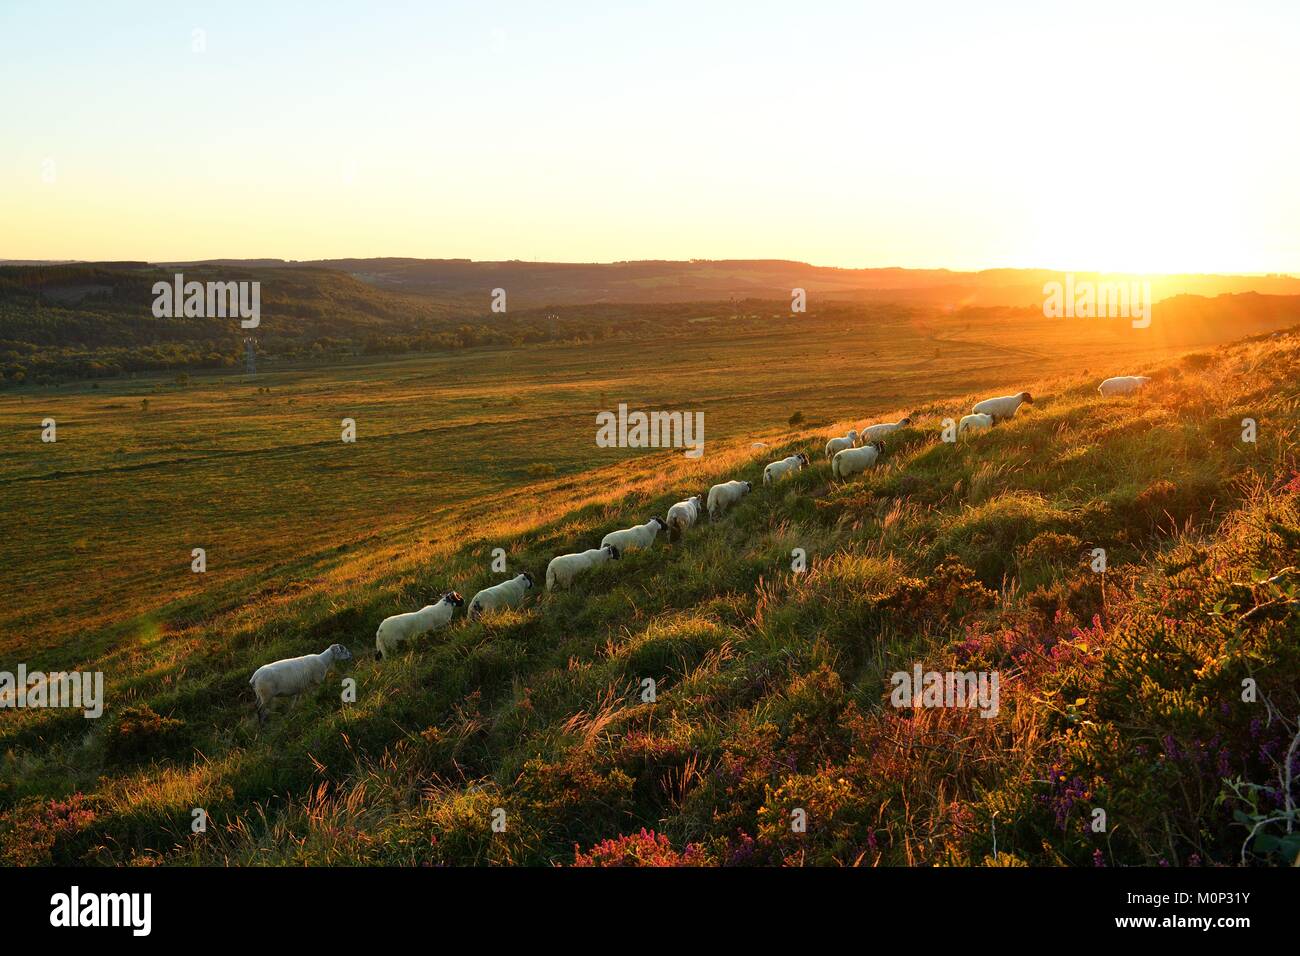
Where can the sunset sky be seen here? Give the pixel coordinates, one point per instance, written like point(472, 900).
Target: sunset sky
point(1120, 136)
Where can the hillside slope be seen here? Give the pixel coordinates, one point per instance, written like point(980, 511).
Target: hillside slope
point(1120, 691)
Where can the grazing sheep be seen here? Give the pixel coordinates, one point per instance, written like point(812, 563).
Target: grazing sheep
point(779, 469)
point(1002, 407)
point(400, 628)
point(723, 496)
point(1123, 384)
point(684, 514)
point(638, 536)
point(562, 570)
point(839, 444)
point(293, 676)
point(872, 432)
point(852, 460)
point(974, 423)
point(506, 594)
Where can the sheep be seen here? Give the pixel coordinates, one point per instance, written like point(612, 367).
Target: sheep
point(562, 570)
point(975, 423)
point(638, 536)
point(400, 628)
point(1002, 407)
point(684, 514)
point(293, 675)
point(779, 469)
point(852, 460)
point(872, 432)
point(506, 594)
point(837, 444)
point(1123, 384)
point(723, 496)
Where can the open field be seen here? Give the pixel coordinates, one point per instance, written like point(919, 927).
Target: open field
point(771, 684)
point(254, 470)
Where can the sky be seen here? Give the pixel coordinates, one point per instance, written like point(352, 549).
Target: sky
point(1121, 136)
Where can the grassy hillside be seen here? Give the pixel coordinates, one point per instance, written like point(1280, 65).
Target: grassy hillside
point(253, 469)
point(1120, 691)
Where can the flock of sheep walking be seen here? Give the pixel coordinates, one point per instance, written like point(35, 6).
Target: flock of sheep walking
point(848, 455)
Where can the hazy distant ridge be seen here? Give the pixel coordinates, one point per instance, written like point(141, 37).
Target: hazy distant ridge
point(571, 283)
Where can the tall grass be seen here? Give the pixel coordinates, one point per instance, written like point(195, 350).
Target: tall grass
point(528, 738)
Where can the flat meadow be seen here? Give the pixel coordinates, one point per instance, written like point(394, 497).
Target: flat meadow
point(770, 682)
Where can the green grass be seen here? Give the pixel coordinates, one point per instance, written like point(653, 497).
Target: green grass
point(772, 687)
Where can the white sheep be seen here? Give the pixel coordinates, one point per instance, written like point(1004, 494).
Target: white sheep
point(852, 460)
point(974, 423)
point(838, 444)
point(779, 469)
point(638, 536)
point(723, 496)
point(506, 594)
point(1003, 406)
point(1123, 384)
point(400, 628)
point(562, 570)
point(872, 432)
point(684, 514)
point(293, 676)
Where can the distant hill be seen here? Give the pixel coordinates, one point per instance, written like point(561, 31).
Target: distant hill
point(93, 320)
point(96, 320)
point(563, 283)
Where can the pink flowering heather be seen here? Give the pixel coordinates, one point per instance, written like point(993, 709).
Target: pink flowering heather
point(638, 849)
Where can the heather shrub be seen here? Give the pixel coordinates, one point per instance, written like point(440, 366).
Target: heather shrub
point(138, 733)
point(985, 537)
point(946, 597)
point(1050, 548)
point(645, 848)
point(40, 832)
